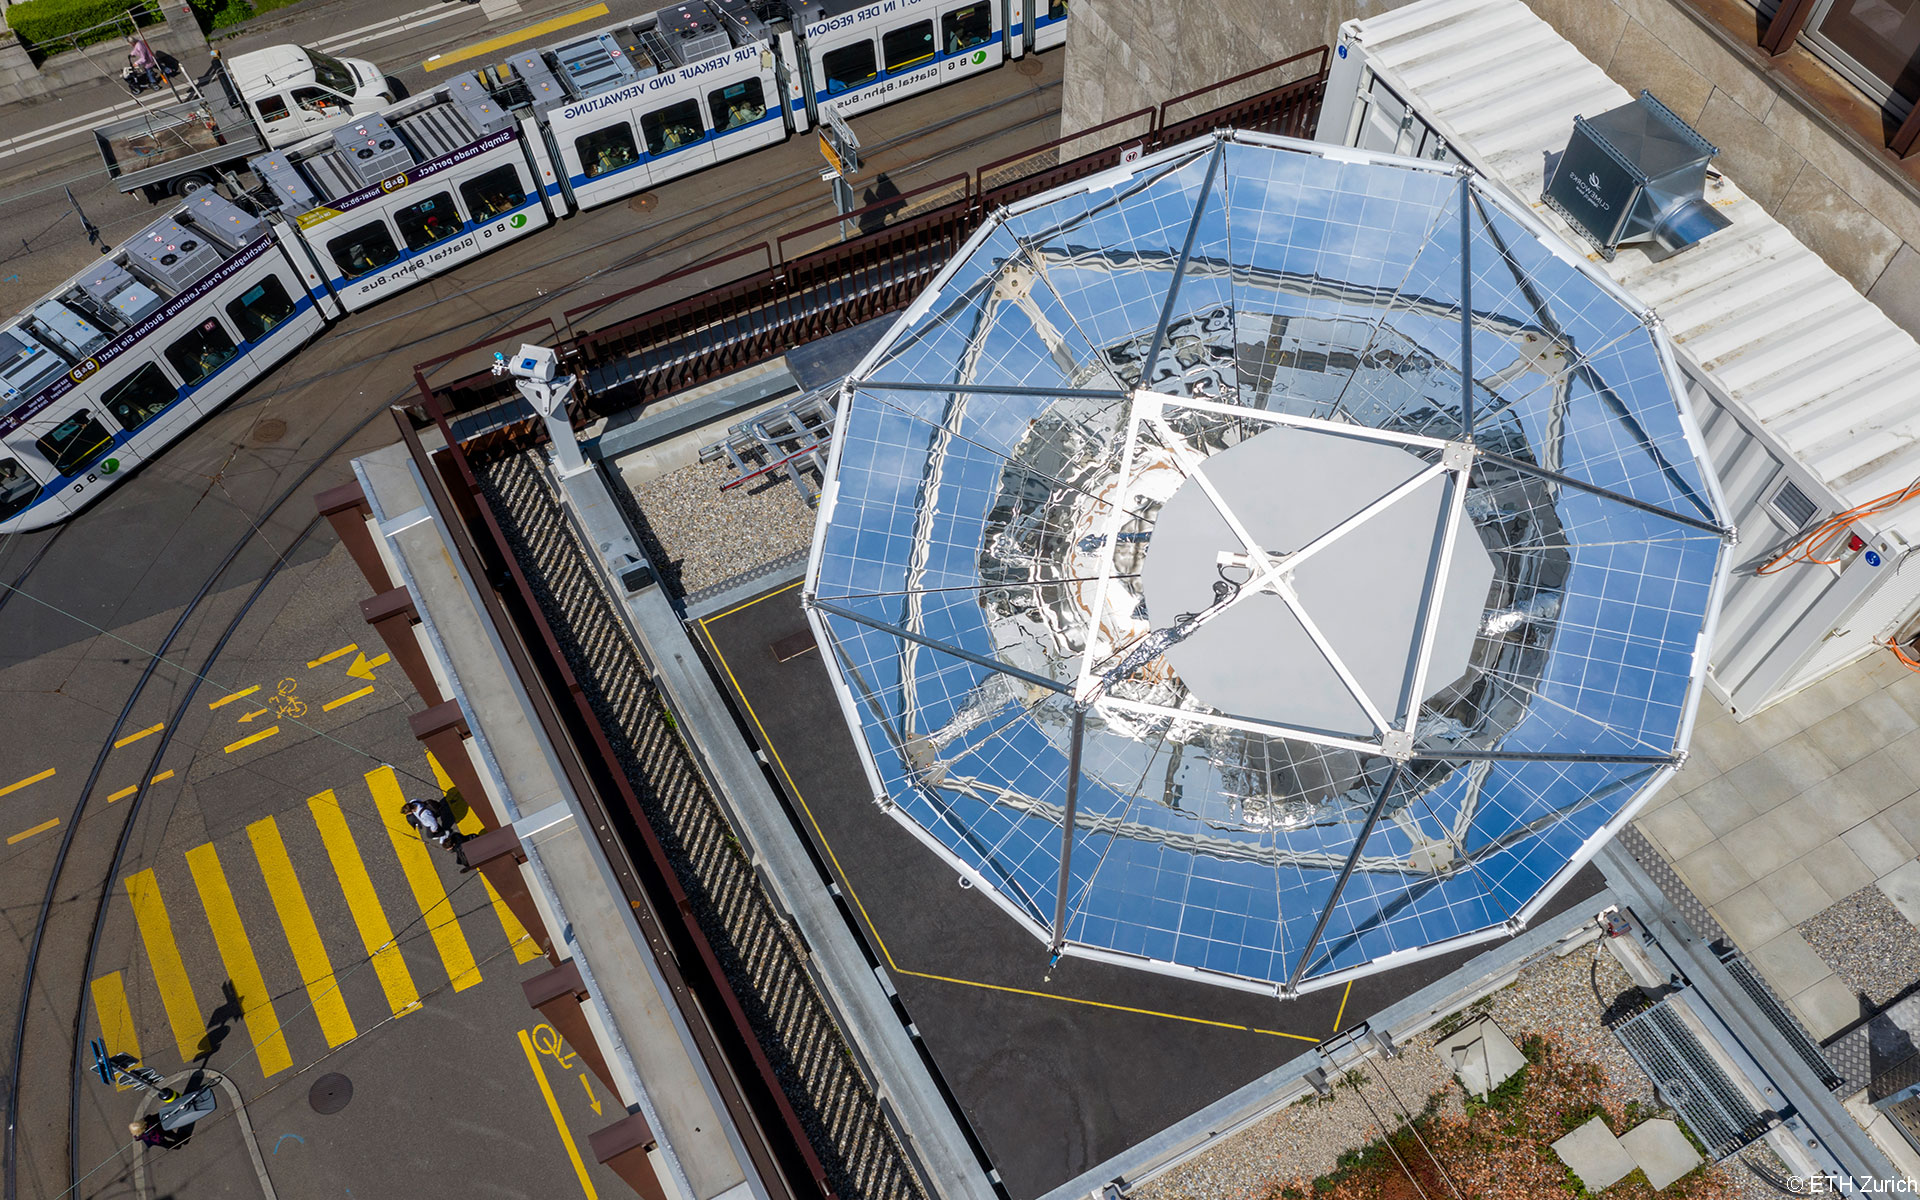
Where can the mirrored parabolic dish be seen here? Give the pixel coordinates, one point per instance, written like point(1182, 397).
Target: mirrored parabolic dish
point(1180, 594)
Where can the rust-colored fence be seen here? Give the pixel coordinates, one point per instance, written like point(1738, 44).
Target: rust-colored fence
point(792, 301)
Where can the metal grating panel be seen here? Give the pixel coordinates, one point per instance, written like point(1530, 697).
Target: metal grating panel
point(1690, 1080)
point(1791, 1031)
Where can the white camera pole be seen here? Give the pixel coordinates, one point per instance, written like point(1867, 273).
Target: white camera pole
point(533, 369)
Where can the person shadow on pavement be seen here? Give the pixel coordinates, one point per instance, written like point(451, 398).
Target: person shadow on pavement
point(220, 1023)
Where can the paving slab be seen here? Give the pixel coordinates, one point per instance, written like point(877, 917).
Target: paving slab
point(1790, 964)
point(1841, 872)
point(1795, 892)
point(1713, 873)
point(1595, 1155)
point(1828, 1007)
point(1879, 846)
point(1751, 917)
point(1661, 1151)
point(1721, 806)
point(1677, 828)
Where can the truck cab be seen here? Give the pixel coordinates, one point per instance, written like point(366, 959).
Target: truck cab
point(293, 92)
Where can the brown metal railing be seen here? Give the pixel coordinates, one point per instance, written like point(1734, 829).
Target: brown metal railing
point(791, 301)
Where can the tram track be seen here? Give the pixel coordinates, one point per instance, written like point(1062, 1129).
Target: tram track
point(708, 227)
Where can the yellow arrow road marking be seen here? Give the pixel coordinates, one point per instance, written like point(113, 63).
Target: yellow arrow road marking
point(591, 1098)
point(350, 697)
point(251, 738)
point(258, 712)
point(328, 657)
point(14, 787)
point(363, 666)
point(236, 696)
point(134, 737)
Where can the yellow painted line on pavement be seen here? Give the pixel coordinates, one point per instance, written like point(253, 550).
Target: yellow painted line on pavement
point(116, 1018)
point(507, 39)
point(124, 792)
point(24, 834)
point(131, 738)
point(236, 696)
point(251, 738)
point(349, 698)
point(303, 935)
point(417, 861)
point(559, 1120)
point(169, 973)
point(14, 787)
point(364, 903)
point(236, 954)
point(328, 657)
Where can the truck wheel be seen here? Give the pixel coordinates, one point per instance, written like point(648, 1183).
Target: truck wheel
point(188, 184)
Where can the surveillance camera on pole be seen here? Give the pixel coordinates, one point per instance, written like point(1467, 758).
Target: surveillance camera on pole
point(533, 368)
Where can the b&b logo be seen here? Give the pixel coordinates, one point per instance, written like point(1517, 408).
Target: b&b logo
point(393, 183)
point(82, 370)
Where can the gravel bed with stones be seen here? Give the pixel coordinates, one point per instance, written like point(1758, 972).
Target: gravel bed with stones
point(699, 536)
point(1868, 942)
point(1566, 998)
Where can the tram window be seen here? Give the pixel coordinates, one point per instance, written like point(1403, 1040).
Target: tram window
point(365, 249)
point(1056, 9)
point(672, 127)
point(139, 398)
point(495, 192)
point(260, 308)
point(75, 442)
point(906, 47)
point(965, 28)
point(849, 66)
point(607, 149)
point(202, 352)
point(17, 488)
point(432, 220)
point(740, 104)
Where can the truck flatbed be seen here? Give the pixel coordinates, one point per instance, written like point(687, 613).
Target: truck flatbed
point(186, 143)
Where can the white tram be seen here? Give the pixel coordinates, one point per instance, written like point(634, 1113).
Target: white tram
point(124, 358)
point(127, 355)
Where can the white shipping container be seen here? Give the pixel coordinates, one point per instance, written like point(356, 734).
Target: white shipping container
point(1802, 387)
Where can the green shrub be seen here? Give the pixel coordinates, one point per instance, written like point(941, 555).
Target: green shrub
point(45, 24)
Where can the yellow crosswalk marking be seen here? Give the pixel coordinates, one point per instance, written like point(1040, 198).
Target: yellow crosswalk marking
point(417, 861)
point(169, 973)
point(364, 903)
point(303, 936)
point(525, 949)
point(250, 739)
point(328, 657)
point(14, 787)
point(116, 1017)
point(131, 738)
point(469, 823)
point(236, 954)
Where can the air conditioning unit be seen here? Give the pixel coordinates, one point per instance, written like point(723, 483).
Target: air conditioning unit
point(372, 148)
point(214, 213)
point(290, 189)
point(693, 31)
point(543, 90)
point(68, 330)
point(111, 287)
point(1636, 173)
point(173, 254)
point(26, 366)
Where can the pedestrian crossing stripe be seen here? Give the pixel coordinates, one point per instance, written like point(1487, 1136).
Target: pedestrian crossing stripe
point(169, 972)
point(236, 954)
point(303, 935)
point(116, 1017)
point(364, 903)
point(417, 861)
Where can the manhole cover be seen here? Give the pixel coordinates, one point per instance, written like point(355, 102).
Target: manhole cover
point(272, 429)
point(644, 202)
point(330, 1094)
point(1029, 66)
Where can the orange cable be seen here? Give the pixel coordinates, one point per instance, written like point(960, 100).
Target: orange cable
point(1802, 550)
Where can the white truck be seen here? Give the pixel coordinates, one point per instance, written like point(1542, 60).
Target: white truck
point(258, 101)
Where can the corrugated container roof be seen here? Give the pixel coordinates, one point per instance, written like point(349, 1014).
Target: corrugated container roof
point(1791, 343)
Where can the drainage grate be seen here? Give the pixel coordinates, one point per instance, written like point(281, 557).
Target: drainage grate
point(1689, 1080)
point(1791, 1031)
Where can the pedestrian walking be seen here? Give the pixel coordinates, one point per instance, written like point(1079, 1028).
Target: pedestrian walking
point(151, 1133)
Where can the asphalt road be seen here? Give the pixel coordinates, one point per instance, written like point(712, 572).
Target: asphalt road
point(269, 915)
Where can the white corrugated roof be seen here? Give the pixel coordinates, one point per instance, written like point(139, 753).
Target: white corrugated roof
point(1809, 358)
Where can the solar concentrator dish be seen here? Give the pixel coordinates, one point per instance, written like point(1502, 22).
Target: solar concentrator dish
point(1180, 595)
